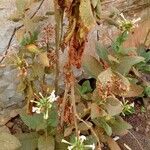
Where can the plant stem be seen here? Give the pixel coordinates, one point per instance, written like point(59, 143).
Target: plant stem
point(58, 25)
point(63, 105)
point(99, 145)
point(74, 109)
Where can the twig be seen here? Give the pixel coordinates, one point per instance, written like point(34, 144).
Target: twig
point(63, 105)
point(99, 145)
point(146, 38)
point(136, 140)
point(16, 29)
point(74, 109)
point(38, 8)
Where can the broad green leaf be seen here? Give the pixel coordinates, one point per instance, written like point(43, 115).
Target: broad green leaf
point(96, 111)
point(86, 14)
point(94, 3)
point(113, 106)
point(86, 87)
point(32, 121)
point(101, 51)
point(53, 117)
point(9, 142)
point(126, 63)
point(46, 143)
point(134, 91)
point(103, 124)
point(29, 141)
point(119, 126)
point(92, 65)
point(43, 59)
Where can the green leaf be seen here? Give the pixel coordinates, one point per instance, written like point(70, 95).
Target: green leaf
point(46, 143)
point(94, 3)
point(134, 91)
point(21, 5)
point(101, 51)
point(103, 124)
point(86, 87)
point(9, 142)
point(53, 117)
point(147, 91)
point(32, 121)
point(113, 106)
point(126, 63)
point(29, 39)
point(92, 65)
point(119, 126)
point(86, 14)
point(117, 45)
point(29, 141)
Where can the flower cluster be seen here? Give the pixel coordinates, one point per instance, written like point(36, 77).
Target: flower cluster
point(79, 144)
point(127, 25)
point(44, 104)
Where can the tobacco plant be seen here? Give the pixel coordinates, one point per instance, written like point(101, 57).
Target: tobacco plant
point(83, 114)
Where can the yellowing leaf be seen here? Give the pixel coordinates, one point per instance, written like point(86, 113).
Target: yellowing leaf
point(96, 111)
point(135, 90)
point(105, 77)
point(43, 59)
point(113, 106)
point(86, 14)
point(32, 48)
point(8, 142)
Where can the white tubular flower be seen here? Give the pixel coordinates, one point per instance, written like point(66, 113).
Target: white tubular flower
point(90, 146)
point(82, 138)
point(136, 20)
point(70, 147)
point(66, 142)
point(36, 110)
point(52, 97)
point(132, 104)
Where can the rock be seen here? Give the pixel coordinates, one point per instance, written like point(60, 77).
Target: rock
point(4, 129)
point(10, 124)
point(8, 114)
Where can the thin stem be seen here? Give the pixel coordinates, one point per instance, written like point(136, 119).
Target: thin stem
point(99, 145)
point(74, 110)
point(58, 21)
point(63, 104)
